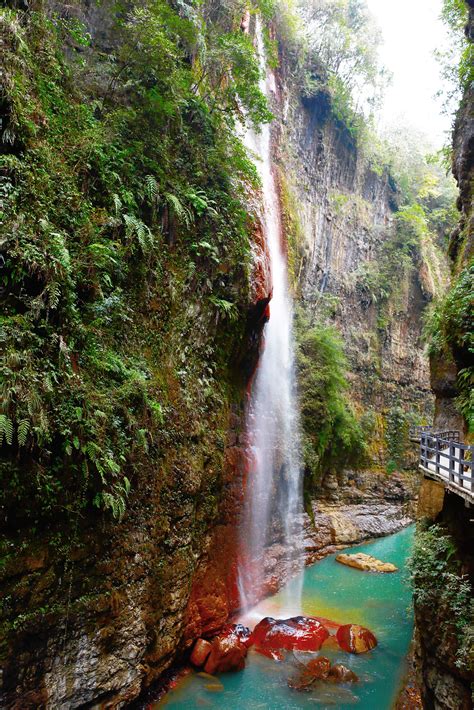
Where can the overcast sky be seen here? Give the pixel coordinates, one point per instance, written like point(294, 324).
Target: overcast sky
point(411, 32)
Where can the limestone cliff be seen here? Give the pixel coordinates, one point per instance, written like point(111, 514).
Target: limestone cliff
point(346, 208)
point(444, 637)
point(118, 347)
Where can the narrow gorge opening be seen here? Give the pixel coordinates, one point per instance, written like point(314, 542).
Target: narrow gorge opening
point(236, 424)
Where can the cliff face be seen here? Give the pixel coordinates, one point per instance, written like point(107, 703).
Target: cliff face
point(346, 207)
point(444, 638)
point(136, 339)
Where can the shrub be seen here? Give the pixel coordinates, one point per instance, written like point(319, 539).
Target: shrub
point(332, 436)
point(438, 584)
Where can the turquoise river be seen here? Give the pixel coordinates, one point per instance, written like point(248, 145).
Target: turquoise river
point(381, 602)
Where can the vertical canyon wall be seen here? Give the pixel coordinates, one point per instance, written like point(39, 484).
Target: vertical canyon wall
point(444, 632)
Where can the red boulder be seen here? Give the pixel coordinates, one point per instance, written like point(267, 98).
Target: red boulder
point(355, 639)
point(298, 633)
point(228, 650)
point(200, 652)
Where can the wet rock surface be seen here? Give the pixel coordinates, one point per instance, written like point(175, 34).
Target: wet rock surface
point(355, 639)
point(225, 652)
point(298, 633)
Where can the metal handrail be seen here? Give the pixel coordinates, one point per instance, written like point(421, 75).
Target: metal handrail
point(443, 455)
point(416, 431)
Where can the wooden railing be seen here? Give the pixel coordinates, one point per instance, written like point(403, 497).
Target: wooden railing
point(445, 458)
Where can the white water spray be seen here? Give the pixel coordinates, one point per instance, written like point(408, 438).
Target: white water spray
point(273, 497)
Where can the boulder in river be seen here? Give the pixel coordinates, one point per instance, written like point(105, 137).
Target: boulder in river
point(321, 669)
point(300, 633)
point(225, 652)
point(367, 563)
point(355, 639)
point(200, 653)
point(340, 674)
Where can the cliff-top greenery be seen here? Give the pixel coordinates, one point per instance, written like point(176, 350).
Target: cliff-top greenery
point(124, 191)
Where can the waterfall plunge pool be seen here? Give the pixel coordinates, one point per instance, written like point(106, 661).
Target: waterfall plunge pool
point(380, 602)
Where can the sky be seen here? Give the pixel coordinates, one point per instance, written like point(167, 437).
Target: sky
point(411, 32)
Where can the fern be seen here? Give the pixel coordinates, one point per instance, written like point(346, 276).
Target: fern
point(60, 252)
point(151, 189)
point(115, 500)
point(24, 427)
point(226, 307)
point(6, 429)
point(117, 204)
point(200, 201)
point(180, 211)
point(33, 403)
point(138, 228)
point(54, 292)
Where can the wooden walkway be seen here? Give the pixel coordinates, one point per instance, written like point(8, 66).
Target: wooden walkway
point(445, 458)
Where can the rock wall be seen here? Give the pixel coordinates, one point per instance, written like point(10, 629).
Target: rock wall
point(444, 669)
point(444, 682)
point(93, 609)
point(345, 208)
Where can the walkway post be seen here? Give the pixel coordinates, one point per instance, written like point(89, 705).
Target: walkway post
point(452, 454)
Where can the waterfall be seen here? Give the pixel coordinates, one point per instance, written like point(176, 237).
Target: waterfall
point(273, 494)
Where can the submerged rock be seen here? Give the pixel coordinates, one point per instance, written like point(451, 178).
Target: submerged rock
point(228, 650)
point(297, 633)
point(321, 669)
point(355, 639)
point(340, 674)
point(360, 560)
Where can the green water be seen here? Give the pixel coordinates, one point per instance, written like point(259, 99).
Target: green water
point(381, 602)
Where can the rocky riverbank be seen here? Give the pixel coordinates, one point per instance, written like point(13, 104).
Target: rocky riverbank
point(357, 507)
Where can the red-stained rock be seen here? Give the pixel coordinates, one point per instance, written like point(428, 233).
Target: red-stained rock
point(274, 655)
point(261, 280)
point(200, 652)
point(320, 667)
point(302, 681)
point(355, 639)
point(240, 631)
point(300, 633)
point(340, 674)
point(228, 650)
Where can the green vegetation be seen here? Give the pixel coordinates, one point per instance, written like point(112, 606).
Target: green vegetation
point(450, 328)
point(123, 193)
point(451, 334)
point(438, 583)
point(293, 230)
point(458, 61)
point(333, 47)
point(331, 435)
point(396, 437)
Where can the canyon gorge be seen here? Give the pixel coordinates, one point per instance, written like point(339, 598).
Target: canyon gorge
point(225, 301)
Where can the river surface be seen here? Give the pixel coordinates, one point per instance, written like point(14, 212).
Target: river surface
point(381, 602)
